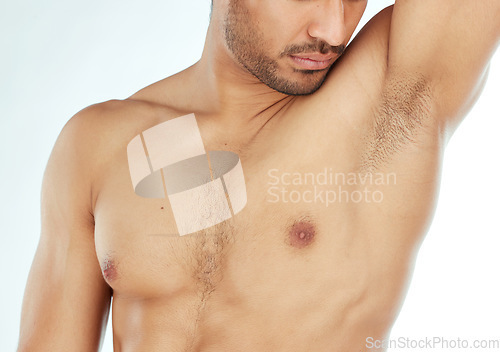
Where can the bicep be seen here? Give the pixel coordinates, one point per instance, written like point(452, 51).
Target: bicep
point(448, 43)
point(435, 36)
point(66, 301)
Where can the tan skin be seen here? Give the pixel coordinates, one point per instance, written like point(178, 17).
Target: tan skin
point(254, 283)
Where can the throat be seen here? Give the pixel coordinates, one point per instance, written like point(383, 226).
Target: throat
point(301, 234)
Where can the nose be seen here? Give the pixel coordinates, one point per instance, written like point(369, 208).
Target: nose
point(328, 24)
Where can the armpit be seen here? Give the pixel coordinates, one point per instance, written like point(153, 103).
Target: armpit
point(404, 109)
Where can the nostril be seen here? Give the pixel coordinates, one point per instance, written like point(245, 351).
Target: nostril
point(328, 24)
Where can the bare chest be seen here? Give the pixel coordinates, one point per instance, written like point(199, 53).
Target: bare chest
point(182, 225)
point(181, 219)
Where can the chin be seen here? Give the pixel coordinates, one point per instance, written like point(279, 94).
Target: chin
point(306, 87)
point(298, 90)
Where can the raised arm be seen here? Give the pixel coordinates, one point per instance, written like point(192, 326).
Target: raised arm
point(66, 302)
point(447, 44)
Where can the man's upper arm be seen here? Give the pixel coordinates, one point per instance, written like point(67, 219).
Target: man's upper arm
point(66, 302)
point(448, 43)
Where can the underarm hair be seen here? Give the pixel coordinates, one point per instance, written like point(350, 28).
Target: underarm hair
point(404, 108)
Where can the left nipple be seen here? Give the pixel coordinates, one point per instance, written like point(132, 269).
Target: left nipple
point(301, 234)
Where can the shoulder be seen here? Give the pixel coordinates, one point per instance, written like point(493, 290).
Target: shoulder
point(102, 118)
point(363, 66)
point(104, 124)
point(98, 127)
point(96, 138)
point(354, 84)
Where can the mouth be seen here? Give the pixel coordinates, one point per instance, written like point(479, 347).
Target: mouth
point(312, 61)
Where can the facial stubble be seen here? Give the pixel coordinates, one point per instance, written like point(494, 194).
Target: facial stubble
point(247, 43)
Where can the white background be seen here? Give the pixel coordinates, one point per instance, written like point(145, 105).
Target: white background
point(58, 57)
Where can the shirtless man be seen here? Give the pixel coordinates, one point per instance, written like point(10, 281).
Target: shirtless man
point(281, 275)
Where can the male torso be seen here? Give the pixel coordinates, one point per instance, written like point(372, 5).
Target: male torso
point(254, 282)
point(340, 185)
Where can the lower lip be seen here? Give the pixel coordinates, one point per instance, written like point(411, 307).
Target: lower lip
point(309, 64)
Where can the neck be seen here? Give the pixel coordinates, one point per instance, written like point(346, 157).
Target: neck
point(229, 93)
